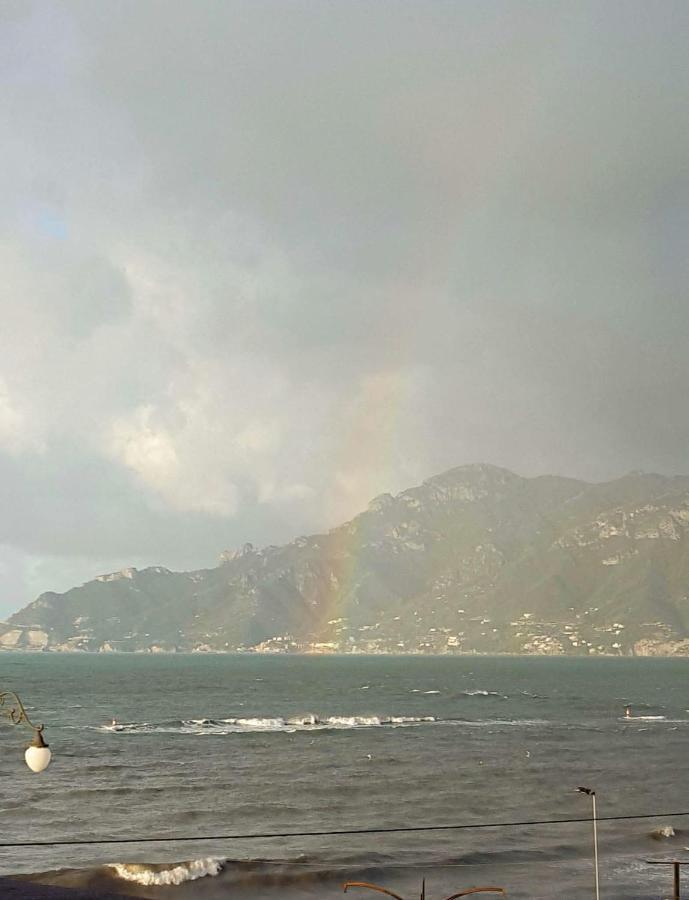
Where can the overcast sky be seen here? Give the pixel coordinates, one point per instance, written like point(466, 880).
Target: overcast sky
point(261, 261)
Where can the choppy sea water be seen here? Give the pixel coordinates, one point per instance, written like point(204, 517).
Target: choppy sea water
point(237, 745)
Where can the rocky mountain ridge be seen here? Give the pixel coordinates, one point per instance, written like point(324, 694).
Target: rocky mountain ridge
point(476, 559)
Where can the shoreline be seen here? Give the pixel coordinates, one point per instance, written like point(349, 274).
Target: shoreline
point(27, 651)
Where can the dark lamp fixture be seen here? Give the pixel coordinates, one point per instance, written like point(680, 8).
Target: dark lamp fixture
point(37, 754)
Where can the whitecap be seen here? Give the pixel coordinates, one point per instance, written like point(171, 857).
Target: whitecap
point(260, 723)
point(643, 718)
point(173, 874)
point(482, 693)
point(664, 831)
point(353, 721)
point(309, 719)
point(266, 724)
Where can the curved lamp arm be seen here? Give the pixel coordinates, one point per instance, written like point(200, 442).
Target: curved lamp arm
point(375, 887)
point(479, 890)
point(371, 887)
point(12, 708)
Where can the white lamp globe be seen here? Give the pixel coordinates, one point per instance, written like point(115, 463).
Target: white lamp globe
point(38, 754)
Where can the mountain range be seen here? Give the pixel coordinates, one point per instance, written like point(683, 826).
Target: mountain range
point(475, 560)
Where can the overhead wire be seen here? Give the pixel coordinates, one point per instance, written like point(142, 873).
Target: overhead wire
point(340, 832)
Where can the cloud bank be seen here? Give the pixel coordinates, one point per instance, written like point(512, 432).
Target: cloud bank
point(262, 261)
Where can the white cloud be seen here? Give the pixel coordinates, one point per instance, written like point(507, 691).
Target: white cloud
point(17, 432)
point(169, 467)
point(11, 421)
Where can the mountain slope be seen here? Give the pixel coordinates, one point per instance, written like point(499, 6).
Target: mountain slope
point(476, 559)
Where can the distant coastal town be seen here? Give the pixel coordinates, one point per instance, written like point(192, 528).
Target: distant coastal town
point(527, 635)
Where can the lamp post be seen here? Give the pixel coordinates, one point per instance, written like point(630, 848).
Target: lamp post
point(592, 794)
point(37, 754)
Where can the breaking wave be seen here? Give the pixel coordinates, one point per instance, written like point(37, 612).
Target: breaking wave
point(308, 723)
point(235, 725)
point(176, 873)
point(646, 719)
point(302, 874)
point(664, 831)
point(481, 693)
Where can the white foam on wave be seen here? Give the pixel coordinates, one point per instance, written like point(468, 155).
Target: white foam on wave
point(291, 724)
point(257, 722)
point(173, 874)
point(353, 721)
point(490, 723)
point(481, 693)
point(308, 723)
point(303, 720)
point(644, 719)
point(410, 720)
point(127, 727)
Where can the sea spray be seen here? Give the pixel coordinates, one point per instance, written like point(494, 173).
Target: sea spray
point(176, 873)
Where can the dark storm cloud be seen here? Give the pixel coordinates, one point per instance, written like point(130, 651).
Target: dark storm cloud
point(262, 261)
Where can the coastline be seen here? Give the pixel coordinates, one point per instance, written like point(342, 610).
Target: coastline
point(302, 654)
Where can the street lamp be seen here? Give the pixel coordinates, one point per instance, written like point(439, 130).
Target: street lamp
point(592, 794)
point(37, 754)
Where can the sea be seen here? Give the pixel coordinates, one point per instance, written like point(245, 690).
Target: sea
point(231, 775)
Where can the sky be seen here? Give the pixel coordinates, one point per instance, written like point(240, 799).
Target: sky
point(261, 261)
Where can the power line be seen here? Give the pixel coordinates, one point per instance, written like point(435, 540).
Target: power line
point(272, 835)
